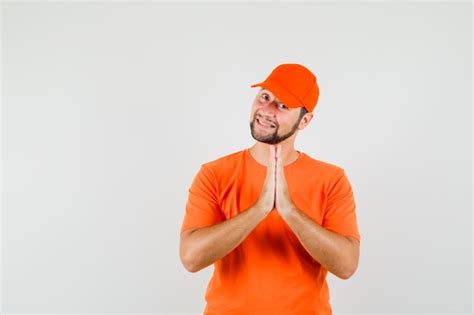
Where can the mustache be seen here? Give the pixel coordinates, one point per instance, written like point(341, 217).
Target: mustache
point(265, 119)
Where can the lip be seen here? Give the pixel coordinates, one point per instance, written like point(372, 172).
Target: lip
point(263, 126)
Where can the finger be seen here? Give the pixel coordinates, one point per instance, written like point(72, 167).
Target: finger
point(279, 160)
point(280, 173)
point(272, 157)
point(271, 165)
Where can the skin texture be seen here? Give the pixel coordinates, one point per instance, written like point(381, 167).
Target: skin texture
point(200, 248)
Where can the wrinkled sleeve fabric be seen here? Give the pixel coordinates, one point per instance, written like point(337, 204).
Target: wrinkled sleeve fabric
point(202, 206)
point(340, 212)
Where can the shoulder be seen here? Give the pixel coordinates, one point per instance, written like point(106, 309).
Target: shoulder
point(325, 168)
point(224, 162)
point(331, 174)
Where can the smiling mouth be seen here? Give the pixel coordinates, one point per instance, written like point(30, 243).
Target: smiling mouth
point(265, 124)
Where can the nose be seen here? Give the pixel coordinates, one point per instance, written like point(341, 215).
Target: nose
point(269, 108)
point(266, 114)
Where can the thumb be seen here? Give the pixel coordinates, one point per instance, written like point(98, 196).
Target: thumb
point(272, 157)
point(279, 161)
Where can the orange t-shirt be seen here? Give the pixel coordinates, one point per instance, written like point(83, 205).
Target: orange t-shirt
point(269, 272)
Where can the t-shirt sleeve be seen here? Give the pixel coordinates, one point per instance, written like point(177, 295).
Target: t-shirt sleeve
point(340, 212)
point(202, 206)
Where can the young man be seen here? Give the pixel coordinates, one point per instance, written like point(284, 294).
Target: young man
point(271, 219)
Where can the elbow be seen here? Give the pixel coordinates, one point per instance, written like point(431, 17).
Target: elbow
point(189, 263)
point(188, 266)
point(191, 258)
point(191, 269)
point(349, 271)
point(347, 274)
point(343, 274)
point(186, 255)
point(192, 265)
point(352, 261)
point(187, 259)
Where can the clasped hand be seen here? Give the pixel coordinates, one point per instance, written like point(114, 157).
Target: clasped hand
point(275, 189)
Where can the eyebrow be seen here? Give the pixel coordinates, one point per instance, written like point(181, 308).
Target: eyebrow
point(267, 91)
point(263, 90)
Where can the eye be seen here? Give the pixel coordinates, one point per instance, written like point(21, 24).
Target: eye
point(282, 106)
point(265, 96)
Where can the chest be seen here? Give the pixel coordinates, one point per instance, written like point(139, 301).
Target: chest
point(244, 188)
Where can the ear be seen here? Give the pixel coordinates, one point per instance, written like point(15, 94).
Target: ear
point(305, 120)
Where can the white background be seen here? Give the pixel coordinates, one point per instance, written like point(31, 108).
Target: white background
point(110, 108)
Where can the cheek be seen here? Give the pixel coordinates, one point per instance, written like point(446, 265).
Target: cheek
point(253, 112)
point(287, 122)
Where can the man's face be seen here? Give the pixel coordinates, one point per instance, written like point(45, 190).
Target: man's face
point(271, 121)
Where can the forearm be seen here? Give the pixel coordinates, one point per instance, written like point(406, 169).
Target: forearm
point(206, 245)
point(332, 250)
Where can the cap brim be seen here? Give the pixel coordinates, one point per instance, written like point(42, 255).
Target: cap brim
point(281, 93)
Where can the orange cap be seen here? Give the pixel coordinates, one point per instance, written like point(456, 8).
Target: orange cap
point(294, 85)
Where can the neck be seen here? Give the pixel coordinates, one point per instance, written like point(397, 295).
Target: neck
point(260, 153)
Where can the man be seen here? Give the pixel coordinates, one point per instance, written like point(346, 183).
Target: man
point(271, 219)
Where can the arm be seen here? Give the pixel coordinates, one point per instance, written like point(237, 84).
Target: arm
point(338, 254)
point(201, 247)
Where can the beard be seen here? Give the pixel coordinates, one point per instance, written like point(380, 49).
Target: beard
point(272, 136)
